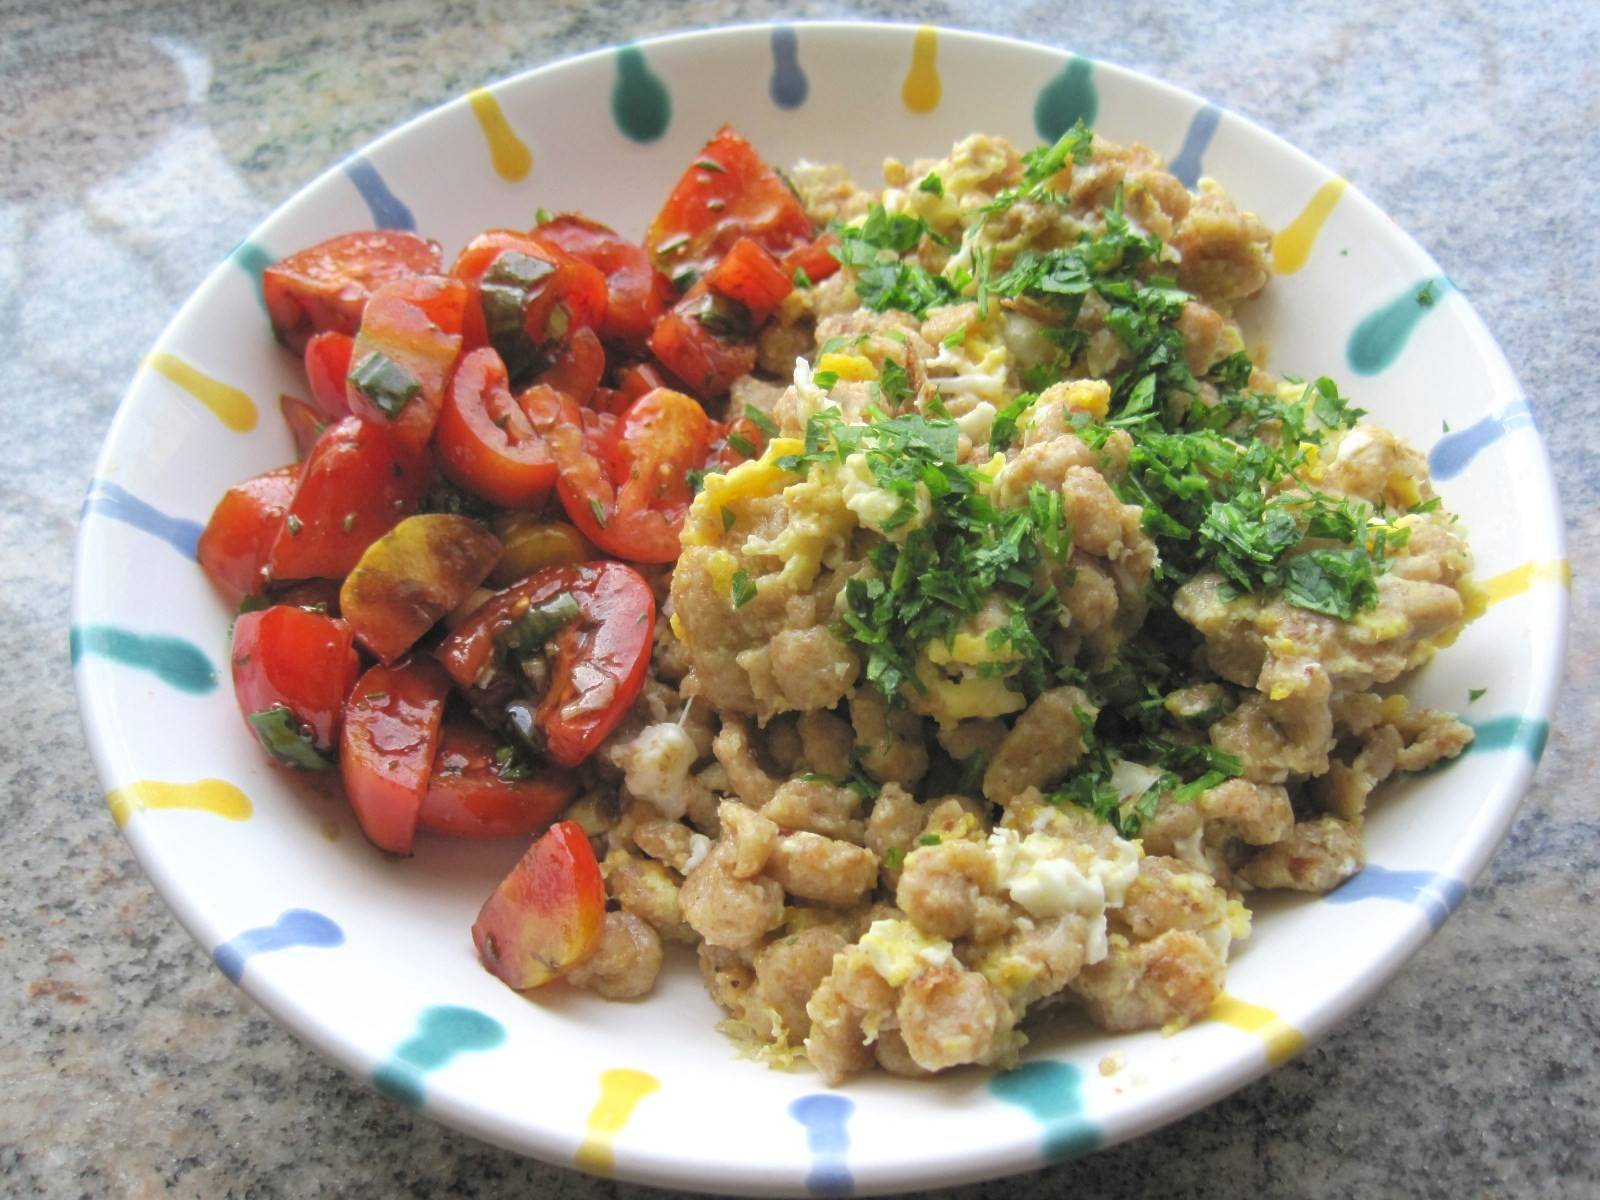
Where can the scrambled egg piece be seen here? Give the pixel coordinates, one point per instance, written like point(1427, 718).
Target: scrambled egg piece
point(899, 950)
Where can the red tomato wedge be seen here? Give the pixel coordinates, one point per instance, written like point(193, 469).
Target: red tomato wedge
point(633, 503)
point(635, 293)
point(304, 421)
point(524, 295)
point(470, 795)
point(751, 276)
point(409, 341)
point(292, 669)
point(814, 258)
point(599, 658)
point(234, 545)
point(576, 366)
point(326, 286)
point(327, 368)
point(484, 441)
point(728, 192)
point(351, 491)
point(410, 577)
point(546, 916)
point(388, 745)
point(706, 340)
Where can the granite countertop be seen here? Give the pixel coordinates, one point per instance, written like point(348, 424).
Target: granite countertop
point(142, 139)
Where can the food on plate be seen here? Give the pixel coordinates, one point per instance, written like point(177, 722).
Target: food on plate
point(917, 603)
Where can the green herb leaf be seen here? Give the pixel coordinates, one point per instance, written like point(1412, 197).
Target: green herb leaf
point(723, 316)
point(529, 632)
point(932, 184)
point(385, 382)
point(288, 741)
point(744, 590)
point(761, 420)
point(892, 379)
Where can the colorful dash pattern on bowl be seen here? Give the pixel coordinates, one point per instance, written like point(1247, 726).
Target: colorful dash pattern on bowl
point(1053, 1095)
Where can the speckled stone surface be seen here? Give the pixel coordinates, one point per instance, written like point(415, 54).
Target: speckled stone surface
point(141, 140)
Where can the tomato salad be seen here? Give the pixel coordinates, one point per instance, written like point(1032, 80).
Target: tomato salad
point(451, 598)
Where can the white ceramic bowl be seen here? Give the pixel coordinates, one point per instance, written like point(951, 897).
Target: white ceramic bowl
point(369, 958)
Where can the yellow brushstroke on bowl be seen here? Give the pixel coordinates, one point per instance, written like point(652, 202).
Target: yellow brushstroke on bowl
point(1519, 579)
point(1291, 245)
point(216, 796)
point(1283, 1041)
point(508, 153)
point(231, 406)
point(922, 89)
point(621, 1089)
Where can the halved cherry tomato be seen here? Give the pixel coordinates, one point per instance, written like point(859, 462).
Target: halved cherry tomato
point(751, 276)
point(351, 491)
point(814, 258)
point(234, 545)
point(546, 916)
point(484, 441)
point(706, 340)
point(327, 369)
point(576, 365)
point(523, 295)
point(727, 193)
point(600, 656)
point(326, 286)
point(633, 504)
point(292, 669)
point(471, 795)
point(387, 749)
point(635, 293)
point(409, 341)
point(305, 423)
point(410, 577)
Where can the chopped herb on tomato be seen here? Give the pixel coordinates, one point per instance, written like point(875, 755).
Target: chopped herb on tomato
point(287, 740)
point(385, 382)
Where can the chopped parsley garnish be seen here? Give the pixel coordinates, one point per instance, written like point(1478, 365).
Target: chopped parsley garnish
point(893, 381)
point(932, 184)
point(287, 740)
point(1475, 694)
point(884, 279)
point(921, 588)
point(800, 278)
point(742, 444)
point(761, 420)
point(1004, 428)
point(743, 587)
point(385, 382)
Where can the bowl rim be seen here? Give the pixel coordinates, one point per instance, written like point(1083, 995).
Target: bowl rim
point(935, 1165)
